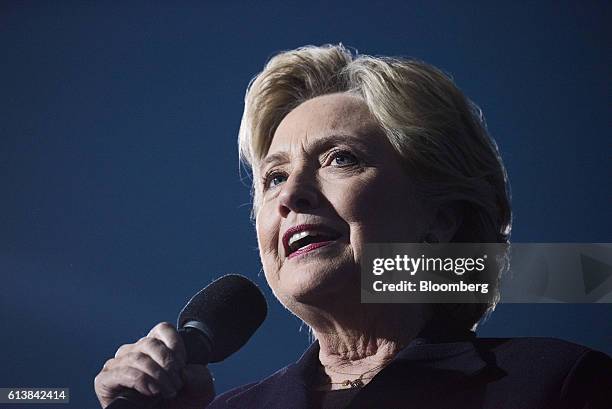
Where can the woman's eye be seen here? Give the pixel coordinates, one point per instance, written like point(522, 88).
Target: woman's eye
point(343, 159)
point(274, 179)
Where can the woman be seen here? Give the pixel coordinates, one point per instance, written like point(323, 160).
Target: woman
point(347, 150)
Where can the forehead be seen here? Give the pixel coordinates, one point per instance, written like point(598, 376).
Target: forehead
point(321, 116)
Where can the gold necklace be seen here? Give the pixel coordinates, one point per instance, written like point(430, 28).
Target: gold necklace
point(356, 383)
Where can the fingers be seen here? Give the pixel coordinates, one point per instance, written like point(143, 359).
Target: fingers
point(162, 380)
point(151, 366)
point(132, 378)
point(155, 345)
point(162, 355)
point(110, 383)
point(166, 333)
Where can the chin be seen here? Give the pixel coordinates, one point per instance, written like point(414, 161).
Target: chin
point(316, 286)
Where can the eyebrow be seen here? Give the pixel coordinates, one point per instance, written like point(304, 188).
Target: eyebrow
point(279, 157)
point(317, 146)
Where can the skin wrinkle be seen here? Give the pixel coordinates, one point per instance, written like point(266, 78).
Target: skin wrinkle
point(372, 200)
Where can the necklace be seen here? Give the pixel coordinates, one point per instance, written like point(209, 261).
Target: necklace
point(355, 383)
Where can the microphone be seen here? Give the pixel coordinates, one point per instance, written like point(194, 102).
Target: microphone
point(215, 323)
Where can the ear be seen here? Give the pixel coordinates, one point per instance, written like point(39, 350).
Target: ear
point(446, 222)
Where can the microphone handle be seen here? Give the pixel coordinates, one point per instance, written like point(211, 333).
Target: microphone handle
point(198, 348)
point(197, 343)
point(131, 399)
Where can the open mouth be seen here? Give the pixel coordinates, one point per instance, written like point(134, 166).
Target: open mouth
point(305, 238)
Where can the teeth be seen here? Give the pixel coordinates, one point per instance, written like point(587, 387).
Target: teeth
point(297, 236)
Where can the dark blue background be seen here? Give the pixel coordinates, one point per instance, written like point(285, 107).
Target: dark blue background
point(121, 195)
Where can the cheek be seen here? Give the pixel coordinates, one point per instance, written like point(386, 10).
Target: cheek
point(267, 228)
point(383, 209)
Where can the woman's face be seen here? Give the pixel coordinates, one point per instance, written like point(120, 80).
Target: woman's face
point(330, 182)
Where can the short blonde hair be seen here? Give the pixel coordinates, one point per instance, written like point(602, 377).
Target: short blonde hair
point(439, 132)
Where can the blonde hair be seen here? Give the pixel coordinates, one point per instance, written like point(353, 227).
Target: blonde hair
point(438, 131)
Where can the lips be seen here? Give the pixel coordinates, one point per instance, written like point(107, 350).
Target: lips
point(307, 237)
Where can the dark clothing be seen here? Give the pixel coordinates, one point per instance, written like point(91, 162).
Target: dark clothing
point(331, 399)
point(465, 372)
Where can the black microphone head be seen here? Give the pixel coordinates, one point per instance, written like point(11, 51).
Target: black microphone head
point(231, 308)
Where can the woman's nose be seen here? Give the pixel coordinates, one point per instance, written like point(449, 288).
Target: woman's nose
point(297, 195)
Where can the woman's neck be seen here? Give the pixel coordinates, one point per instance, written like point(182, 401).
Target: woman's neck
point(355, 357)
point(360, 341)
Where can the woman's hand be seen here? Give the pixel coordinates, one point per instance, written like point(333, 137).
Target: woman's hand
point(155, 366)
